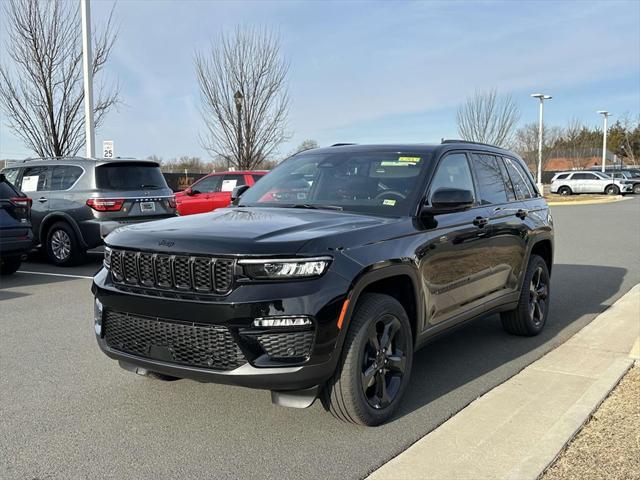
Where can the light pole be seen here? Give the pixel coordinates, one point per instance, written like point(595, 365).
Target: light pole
point(605, 114)
point(238, 99)
point(87, 71)
point(542, 97)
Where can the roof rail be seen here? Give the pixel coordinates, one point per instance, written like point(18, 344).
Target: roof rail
point(342, 144)
point(31, 159)
point(455, 140)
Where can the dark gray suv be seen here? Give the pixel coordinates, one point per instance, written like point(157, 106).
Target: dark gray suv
point(79, 201)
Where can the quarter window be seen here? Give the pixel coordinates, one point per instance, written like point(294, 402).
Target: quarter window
point(491, 181)
point(453, 172)
point(562, 176)
point(11, 174)
point(64, 176)
point(521, 185)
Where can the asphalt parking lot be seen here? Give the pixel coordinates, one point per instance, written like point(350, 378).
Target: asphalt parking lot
point(69, 412)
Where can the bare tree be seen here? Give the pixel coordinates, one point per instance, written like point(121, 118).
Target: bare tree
point(42, 95)
point(488, 118)
point(526, 143)
point(247, 67)
point(307, 144)
point(573, 139)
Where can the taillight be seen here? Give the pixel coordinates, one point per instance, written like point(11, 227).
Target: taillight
point(106, 204)
point(172, 202)
point(21, 201)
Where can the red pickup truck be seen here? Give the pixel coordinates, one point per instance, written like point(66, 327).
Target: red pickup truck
point(214, 191)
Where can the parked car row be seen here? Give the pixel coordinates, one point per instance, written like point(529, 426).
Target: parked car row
point(588, 181)
point(327, 274)
point(16, 237)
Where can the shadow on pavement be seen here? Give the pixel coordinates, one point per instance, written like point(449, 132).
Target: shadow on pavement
point(579, 292)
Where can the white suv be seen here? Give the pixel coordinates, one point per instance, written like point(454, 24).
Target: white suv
point(568, 183)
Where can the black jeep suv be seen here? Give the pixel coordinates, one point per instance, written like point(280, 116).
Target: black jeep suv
point(326, 276)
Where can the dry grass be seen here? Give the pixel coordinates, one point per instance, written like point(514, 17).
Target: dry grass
point(608, 447)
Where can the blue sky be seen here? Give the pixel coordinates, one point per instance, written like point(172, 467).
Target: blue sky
point(371, 72)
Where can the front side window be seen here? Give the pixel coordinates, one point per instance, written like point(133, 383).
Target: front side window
point(521, 185)
point(453, 172)
point(490, 178)
point(383, 182)
point(229, 182)
point(64, 176)
point(208, 185)
point(34, 179)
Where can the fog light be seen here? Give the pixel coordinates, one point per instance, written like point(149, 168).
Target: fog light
point(293, 321)
point(97, 316)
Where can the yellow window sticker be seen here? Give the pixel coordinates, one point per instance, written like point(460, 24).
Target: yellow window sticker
point(409, 159)
point(389, 202)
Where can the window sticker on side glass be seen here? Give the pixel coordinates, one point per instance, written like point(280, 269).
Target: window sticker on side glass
point(389, 202)
point(30, 183)
point(228, 185)
point(409, 159)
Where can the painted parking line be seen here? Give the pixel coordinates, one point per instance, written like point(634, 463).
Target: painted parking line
point(55, 274)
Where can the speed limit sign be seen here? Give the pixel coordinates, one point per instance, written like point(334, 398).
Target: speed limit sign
point(107, 149)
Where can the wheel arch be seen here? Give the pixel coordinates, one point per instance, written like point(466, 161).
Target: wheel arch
point(55, 217)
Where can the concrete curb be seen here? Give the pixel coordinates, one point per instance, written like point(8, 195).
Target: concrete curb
point(518, 429)
point(617, 198)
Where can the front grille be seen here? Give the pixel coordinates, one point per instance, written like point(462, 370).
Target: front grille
point(173, 272)
point(286, 345)
point(197, 345)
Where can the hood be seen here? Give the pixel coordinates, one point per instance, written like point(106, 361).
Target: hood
point(254, 231)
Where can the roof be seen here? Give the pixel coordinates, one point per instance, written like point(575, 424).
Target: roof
point(410, 147)
point(76, 159)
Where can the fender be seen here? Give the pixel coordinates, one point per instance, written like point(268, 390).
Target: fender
point(532, 241)
point(373, 274)
point(53, 217)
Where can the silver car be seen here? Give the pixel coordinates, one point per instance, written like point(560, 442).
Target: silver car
point(569, 183)
point(78, 201)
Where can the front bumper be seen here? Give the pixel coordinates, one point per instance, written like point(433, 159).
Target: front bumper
point(320, 299)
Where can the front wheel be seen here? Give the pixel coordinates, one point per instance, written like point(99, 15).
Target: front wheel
point(375, 365)
point(636, 188)
point(529, 317)
point(612, 190)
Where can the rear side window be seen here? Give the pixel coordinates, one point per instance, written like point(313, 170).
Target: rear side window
point(129, 176)
point(11, 174)
point(34, 179)
point(453, 172)
point(64, 176)
point(208, 184)
point(584, 176)
point(520, 183)
point(229, 182)
point(490, 177)
point(562, 176)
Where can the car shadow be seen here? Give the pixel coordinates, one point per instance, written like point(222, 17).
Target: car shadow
point(482, 346)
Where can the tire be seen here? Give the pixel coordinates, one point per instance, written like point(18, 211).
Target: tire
point(636, 188)
point(612, 190)
point(346, 395)
point(62, 246)
point(530, 316)
point(9, 265)
point(565, 191)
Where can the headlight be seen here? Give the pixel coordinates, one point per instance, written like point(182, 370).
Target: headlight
point(285, 268)
point(107, 258)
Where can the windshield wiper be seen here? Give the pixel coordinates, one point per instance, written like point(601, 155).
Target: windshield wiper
point(313, 206)
point(150, 186)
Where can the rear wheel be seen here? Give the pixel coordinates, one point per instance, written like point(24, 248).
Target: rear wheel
point(9, 265)
point(63, 247)
point(530, 316)
point(612, 190)
point(375, 365)
point(564, 191)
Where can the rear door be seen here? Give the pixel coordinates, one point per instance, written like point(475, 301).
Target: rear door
point(35, 182)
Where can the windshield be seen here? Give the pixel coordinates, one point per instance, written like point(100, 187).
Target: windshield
point(383, 183)
point(129, 176)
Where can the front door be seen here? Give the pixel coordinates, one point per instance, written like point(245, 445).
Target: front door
point(201, 200)
point(222, 198)
point(454, 257)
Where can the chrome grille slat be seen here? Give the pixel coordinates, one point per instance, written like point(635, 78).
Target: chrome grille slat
point(178, 273)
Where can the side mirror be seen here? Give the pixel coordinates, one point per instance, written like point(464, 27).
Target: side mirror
point(448, 200)
point(188, 191)
point(237, 192)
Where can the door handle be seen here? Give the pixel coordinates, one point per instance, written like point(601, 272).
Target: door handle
point(42, 199)
point(522, 214)
point(480, 221)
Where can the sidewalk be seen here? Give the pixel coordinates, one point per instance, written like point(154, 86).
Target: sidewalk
point(516, 430)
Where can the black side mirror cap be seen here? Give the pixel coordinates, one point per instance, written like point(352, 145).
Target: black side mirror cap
point(237, 192)
point(449, 200)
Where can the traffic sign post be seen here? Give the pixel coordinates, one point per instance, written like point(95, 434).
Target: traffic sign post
point(107, 149)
